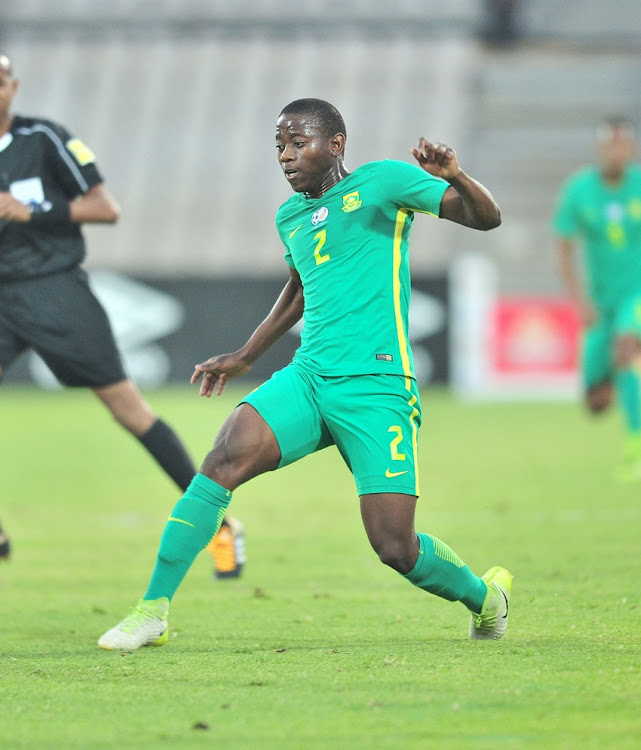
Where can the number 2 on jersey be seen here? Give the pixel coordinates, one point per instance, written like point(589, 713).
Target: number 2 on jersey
point(322, 238)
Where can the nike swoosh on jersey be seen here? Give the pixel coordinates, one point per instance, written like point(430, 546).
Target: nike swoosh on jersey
point(389, 474)
point(291, 234)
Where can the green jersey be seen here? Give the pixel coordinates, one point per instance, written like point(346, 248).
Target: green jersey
point(350, 247)
point(608, 221)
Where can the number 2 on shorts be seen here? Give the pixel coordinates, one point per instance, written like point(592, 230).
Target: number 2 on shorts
point(393, 446)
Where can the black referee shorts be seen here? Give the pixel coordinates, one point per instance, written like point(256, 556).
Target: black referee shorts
point(59, 317)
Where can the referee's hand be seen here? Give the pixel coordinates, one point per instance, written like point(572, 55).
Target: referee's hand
point(12, 210)
point(216, 371)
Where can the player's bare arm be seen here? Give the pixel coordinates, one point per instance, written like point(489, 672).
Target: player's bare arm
point(287, 311)
point(572, 281)
point(466, 201)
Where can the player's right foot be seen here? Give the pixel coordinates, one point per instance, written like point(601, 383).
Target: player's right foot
point(491, 622)
point(146, 625)
point(5, 546)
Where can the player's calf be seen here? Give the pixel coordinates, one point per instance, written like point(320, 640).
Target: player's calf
point(599, 397)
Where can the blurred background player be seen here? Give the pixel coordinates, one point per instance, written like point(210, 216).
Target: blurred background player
point(5, 546)
point(600, 207)
point(49, 186)
point(346, 236)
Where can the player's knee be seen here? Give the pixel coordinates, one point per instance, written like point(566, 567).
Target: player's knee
point(228, 471)
point(627, 349)
point(396, 555)
point(599, 397)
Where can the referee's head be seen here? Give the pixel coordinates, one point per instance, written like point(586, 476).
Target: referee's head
point(8, 88)
point(5, 64)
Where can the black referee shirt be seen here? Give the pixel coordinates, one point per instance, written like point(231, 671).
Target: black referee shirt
point(42, 163)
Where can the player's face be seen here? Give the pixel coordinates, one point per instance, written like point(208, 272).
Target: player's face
point(8, 88)
point(306, 156)
point(617, 147)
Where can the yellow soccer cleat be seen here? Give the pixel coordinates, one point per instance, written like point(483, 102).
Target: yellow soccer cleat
point(491, 622)
point(146, 625)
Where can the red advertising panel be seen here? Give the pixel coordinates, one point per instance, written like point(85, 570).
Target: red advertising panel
point(534, 336)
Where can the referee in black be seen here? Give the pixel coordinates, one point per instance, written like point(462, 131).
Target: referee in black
point(49, 186)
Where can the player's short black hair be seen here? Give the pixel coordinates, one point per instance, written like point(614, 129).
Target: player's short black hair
point(326, 116)
point(615, 122)
point(5, 62)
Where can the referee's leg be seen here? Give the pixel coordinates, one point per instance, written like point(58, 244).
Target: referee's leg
point(129, 409)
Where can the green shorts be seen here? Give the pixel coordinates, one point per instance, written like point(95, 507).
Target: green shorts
point(598, 340)
point(372, 419)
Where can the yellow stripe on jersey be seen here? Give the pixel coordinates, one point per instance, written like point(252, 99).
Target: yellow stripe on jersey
point(413, 415)
point(418, 211)
point(401, 218)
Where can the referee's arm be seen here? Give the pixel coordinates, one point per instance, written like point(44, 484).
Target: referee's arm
point(96, 206)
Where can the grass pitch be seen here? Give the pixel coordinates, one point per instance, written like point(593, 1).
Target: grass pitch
point(318, 645)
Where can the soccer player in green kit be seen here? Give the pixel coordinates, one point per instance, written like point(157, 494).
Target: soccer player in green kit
point(351, 382)
point(601, 206)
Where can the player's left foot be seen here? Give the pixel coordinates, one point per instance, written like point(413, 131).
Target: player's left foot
point(145, 625)
point(5, 546)
point(630, 469)
point(491, 622)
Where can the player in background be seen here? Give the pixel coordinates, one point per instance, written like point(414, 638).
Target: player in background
point(600, 208)
point(49, 186)
point(5, 546)
point(351, 382)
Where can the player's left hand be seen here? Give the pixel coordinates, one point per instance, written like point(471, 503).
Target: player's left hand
point(216, 371)
point(436, 158)
point(12, 210)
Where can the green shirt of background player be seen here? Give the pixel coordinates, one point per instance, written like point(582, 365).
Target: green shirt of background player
point(346, 240)
point(600, 208)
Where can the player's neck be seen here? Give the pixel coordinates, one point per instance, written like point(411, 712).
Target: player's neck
point(5, 123)
point(613, 177)
point(333, 177)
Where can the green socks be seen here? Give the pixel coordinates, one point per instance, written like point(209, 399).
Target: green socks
point(441, 572)
point(629, 391)
point(190, 527)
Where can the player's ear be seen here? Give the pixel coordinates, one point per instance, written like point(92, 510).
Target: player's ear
point(337, 144)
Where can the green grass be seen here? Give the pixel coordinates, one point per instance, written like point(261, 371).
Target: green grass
point(318, 645)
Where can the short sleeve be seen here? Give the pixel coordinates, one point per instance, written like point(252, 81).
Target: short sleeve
point(282, 234)
point(72, 162)
point(410, 187)
point(565, 220)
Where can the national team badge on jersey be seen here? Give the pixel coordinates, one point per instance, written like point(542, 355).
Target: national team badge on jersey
point(352, 202)
point(83, 154)
point(634, 207)
point(320, 215)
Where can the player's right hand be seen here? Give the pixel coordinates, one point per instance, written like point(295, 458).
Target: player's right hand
point(216, 371)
